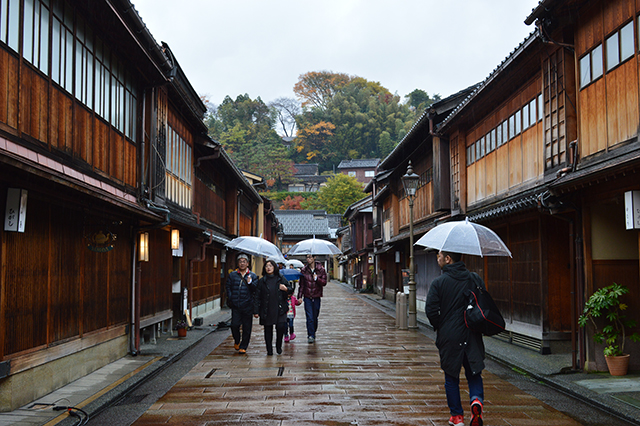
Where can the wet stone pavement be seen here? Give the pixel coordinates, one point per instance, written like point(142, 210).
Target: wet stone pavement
point(361, 371)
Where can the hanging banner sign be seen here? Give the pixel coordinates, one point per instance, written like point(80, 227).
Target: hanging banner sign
point(15, 214)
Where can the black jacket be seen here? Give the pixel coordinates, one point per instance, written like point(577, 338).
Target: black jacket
point(240, 291)
point(270, 313)
point(445, 309)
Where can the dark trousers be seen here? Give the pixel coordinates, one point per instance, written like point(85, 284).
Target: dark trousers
point(281, 327)
point(239, 318)
point(289, 329)
point(312, 310)
point(452, 388)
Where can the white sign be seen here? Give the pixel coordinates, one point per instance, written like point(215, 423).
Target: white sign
point(632, 209)
point(15, 214)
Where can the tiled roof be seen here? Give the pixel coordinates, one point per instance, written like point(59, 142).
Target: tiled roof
point(304, 222)
point(335, 220)
point(312, 178)
point(306, 169)
point(357, 164)
point(481, 86)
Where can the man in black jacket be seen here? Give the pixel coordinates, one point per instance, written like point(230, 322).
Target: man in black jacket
point(241, 287)
point(458, 346)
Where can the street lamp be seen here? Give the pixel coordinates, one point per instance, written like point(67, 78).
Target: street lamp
point(410, 182)
point(280, 235)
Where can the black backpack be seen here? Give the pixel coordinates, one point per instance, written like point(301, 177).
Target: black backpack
point(482, 315)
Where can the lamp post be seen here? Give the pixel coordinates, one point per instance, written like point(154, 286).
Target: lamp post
point(410, 182)
point(280, 235)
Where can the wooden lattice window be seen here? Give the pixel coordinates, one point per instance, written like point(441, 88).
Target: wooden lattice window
point(555, 139)
point(455, 173)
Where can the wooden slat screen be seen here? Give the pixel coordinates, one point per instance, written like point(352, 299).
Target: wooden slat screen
point(66, 274)
point(26, 282)
point(206, 278)
point(207, 202)
point(56, 287)
point(156, 283)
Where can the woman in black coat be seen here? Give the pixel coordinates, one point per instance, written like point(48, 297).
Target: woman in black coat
point(272, 303)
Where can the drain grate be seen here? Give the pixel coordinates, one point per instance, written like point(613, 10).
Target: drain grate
point(134, 399)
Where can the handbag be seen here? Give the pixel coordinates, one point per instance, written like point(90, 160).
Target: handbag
point(482, 315)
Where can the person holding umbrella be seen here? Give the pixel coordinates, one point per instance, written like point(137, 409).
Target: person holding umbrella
point(241, 287)
point(458, 345)
point(312, 281)
point(272, 304)
point(447, 301)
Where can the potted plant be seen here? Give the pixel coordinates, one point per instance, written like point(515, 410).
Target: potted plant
point(181, 326)
point(605, 303)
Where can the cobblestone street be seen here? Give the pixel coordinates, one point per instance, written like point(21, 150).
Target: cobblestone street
point(360, 371)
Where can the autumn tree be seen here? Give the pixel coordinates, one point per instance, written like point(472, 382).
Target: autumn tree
point(316, 88)
point(312, 144)
point(292, 203)
point(368, 122)
point(340, 192)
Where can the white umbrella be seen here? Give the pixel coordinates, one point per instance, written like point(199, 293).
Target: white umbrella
point(256, 246)
point(315, 247)
point(295, 262)
point(464, 237)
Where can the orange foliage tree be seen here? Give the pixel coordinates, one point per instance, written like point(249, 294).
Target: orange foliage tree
point(292, 203)
point(316, 88)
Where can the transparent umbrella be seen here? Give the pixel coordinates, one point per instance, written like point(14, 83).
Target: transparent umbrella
point(464, 237)
point(295, 262)
point(315, 247)
point(256, 246)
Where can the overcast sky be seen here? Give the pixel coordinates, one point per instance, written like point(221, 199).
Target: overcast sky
point(261, 47)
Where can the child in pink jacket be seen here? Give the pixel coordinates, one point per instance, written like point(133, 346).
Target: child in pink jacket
point(291, 314)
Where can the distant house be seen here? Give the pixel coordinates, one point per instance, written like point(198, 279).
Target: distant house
point(363, 170)
point(307, 178)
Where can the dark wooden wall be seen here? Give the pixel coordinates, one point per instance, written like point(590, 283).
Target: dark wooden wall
point(206, 277)
point(57, 289)
point(210, 204)
point(156, 286)
point(52, 118)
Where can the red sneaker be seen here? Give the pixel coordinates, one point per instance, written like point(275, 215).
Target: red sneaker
point(476, 413)
point(456, 420)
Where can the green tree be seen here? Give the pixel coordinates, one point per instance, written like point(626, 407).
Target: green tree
point(419, 100)
point(341, 191)
point(245, 128)
point(368, 120)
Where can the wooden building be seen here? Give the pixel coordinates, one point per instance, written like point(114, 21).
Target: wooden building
point(507, 141)
point(359, 255)
point(362, 169)
point(543, 152)
point(390, 228)
point(103, 155)
point(600, 38)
